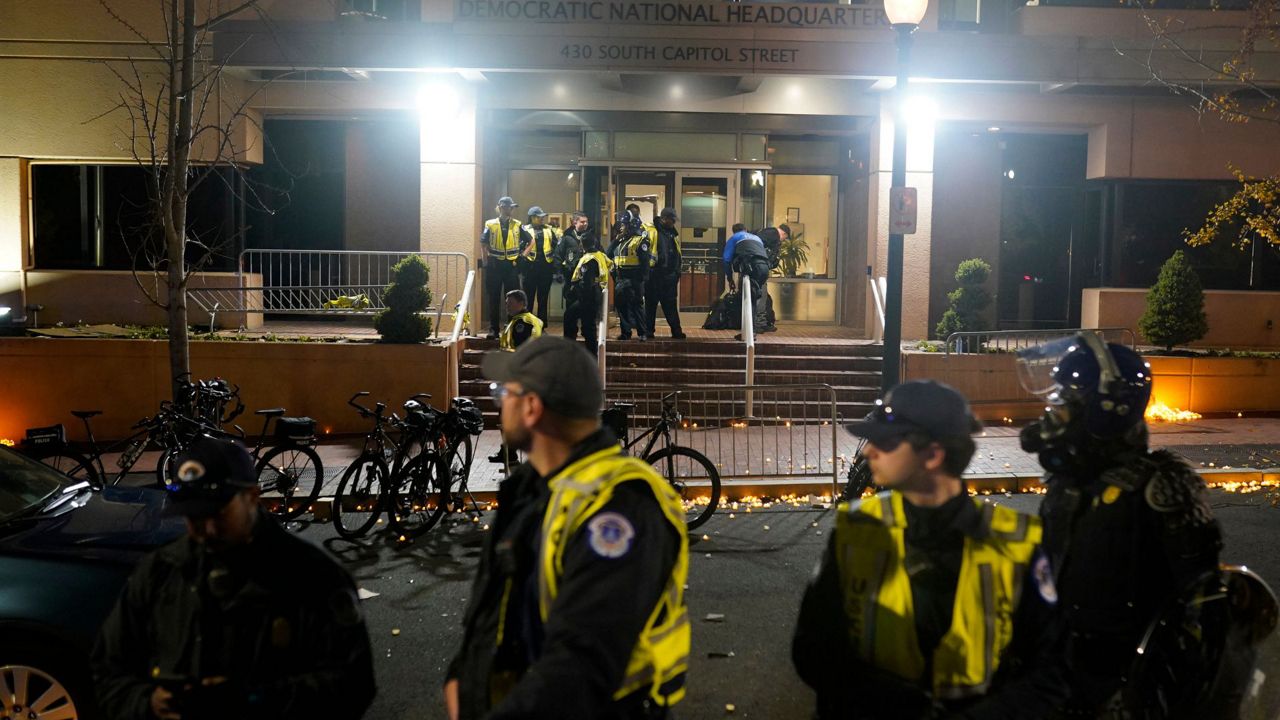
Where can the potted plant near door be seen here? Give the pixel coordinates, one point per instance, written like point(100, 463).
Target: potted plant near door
point(793, 254)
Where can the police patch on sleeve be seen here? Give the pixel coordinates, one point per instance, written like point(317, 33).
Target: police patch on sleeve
point(610, 535)
point(1043, 575)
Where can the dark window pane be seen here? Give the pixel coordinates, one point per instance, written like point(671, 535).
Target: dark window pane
point(62, 196)
point(297, 196)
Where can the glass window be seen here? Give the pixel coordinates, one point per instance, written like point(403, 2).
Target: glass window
point(596, 145)
point(543, 148)
point(806, 204)
point(685, 147)
point(755, 148)
point(752, 207)
point(99, 216)
point(1151, 219)
point(803, 152)
point(555, 191)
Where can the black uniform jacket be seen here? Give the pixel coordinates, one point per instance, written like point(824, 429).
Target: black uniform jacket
point(278, 618)
point(569, 667)
point(1028, 683)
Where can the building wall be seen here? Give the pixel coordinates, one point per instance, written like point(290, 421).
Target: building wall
point(382, 186)
point(1237, 319)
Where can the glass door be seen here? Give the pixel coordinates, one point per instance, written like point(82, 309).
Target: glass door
point(708, 208)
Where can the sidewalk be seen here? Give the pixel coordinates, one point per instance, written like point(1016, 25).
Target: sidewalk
point(1222, 449)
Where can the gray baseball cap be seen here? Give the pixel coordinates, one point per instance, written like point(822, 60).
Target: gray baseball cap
point(918, 406)
point(537, 211)
point(559, 371)
point(506, 201)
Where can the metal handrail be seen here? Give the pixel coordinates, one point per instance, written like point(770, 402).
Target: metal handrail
point(748, 337)
point(973, 342)
point(460, 310)
point(877, 293)
point(602, 335)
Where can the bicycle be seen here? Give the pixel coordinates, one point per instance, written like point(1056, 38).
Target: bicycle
point(683, 467)
point(49, 445)
point(369, 486)
point(427, 495)
point(858, 480)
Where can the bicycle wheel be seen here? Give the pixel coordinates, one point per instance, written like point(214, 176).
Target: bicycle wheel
point(358, 500)
point(416, 501)
point(290, 477)
point(688, 471)
point(458, 463)
point(167, 466)
point(70, 463)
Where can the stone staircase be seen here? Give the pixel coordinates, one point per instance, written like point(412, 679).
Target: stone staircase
point(851, 368)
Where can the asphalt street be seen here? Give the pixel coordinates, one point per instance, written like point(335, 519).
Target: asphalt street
point(750, 569)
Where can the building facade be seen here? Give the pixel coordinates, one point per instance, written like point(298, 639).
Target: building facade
point(1038, 141)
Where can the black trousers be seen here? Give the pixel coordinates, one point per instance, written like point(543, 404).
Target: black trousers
point(662, 289)
point(583, 308)
point(537, 285)
point(499, 277)
point(757, 270)
point(630, 302)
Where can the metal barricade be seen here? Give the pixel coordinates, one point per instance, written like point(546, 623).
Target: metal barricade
point(792, 435)
point(1013, 340)
point(315, 282)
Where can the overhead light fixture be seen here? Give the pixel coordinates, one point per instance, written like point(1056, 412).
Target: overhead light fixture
point(4, 310)
point(994, 128)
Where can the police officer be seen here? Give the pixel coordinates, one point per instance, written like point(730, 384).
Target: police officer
point(928, 602)
point(632, 254)
point(744, 253)
point(538, 261)
point(501, 242)
point(1127, 529)
point(583, 293)
point(649, 229)
point(238, 618)
point(522, 325)
point(577, 610)
point(664, 280)
point(773, 237)
point(573, 243)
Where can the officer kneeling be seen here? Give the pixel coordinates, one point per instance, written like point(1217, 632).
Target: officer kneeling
point(237, 619)
point(577, 610)
point(928, 603)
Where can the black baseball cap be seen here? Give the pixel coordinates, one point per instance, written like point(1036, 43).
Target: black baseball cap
point(207, 475)
point(506, 201)
point(559, 371)
point(918, 406)
point(669, 213)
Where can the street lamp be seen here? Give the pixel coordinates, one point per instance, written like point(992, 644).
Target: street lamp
point(905, 17)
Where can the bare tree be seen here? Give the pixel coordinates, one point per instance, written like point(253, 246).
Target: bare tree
point(1237, 82)
point(178, 101)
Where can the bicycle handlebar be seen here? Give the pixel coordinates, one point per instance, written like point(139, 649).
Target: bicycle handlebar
point(379, 408)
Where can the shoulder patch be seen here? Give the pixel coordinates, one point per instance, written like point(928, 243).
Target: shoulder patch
point(1043, 575)
point(610, 534)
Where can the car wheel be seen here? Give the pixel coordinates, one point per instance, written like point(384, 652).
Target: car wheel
point(37, 686)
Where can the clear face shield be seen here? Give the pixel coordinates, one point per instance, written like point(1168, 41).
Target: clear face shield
point(1036, 369)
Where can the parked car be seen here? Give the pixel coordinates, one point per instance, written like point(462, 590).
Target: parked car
point(65, 553)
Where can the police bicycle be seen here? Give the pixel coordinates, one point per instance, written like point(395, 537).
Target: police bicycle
point(367, 486)
point(858, 480)
point(683, 467)
point(425, 495)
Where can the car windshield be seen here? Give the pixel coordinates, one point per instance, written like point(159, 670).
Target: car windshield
point(26, 484)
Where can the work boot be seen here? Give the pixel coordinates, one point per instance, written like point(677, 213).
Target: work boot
point(500, 456)
point(678, 336)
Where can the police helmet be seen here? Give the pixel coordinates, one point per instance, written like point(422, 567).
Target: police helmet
point(1104, 387)
point(635, 223)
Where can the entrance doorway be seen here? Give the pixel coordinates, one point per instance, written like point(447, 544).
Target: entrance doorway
point(707, 203)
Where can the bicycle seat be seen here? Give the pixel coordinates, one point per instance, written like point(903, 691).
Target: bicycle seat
point(86, 414)
point(270, 412)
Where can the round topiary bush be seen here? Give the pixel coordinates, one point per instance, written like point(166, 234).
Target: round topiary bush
point(406, 298)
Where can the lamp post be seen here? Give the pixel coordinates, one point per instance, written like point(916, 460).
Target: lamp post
point(904, 16)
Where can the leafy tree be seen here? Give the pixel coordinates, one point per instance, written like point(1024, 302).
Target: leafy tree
point(406, 297)
point(1175, 306)
point(967, 301)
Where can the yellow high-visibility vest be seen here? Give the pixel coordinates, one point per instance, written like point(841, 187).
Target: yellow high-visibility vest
point(870, 550)
point(660, 657)
point(627, 249)
point(507, 341)
point(602, 260)
point(547, 235)
point(508, 247)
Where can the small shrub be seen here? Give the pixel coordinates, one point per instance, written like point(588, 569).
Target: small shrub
point(1175, 306)
point(406, 297)
point(967, 301)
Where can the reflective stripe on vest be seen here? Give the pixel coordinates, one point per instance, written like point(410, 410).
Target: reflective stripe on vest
point(870, 549)
point(507, 340)
point(507, 248)
point(660, 657)
point(601, 260)
point(627, 257)
point(549, 237)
